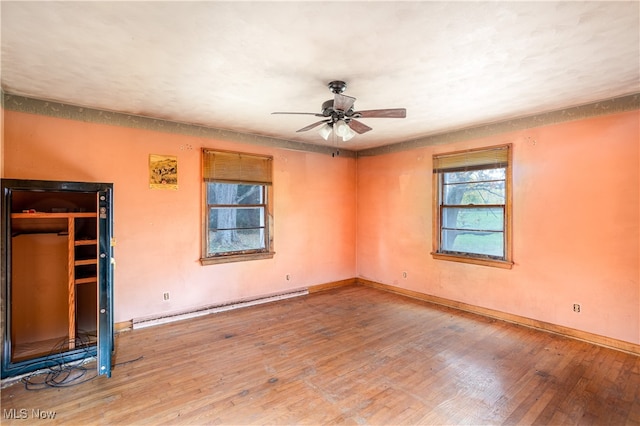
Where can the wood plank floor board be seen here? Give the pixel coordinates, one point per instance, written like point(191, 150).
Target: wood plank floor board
point(515, 401)
point(350, 355)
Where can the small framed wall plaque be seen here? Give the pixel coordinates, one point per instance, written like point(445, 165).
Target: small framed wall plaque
point(163, 171)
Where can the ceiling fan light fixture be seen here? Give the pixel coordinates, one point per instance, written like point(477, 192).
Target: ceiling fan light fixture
point(325, 131)
point(341, 128)
point(348, 136)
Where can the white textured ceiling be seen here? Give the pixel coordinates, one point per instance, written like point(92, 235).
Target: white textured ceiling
point(228, 65)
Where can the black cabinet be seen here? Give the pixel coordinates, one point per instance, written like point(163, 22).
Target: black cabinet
point(57, 274)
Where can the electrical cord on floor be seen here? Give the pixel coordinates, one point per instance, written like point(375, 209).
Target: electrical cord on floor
point(60, 373)
point(119, 364)
point(67, 374)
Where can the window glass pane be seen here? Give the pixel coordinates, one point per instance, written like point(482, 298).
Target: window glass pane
point(233, 218)
point(474, 218)
point(470, 190)
point(236, 218)
point(474, 193)
point(475, 175)
point(236, 240)
point(483, 243)
point(250, 194)
point(231, 193)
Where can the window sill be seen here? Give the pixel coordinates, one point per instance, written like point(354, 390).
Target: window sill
point(504, 264)
point(236, 258)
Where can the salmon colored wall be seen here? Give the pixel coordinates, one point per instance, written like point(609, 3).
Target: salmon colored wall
point(158, 231)
point(576, 230)
point(576, 220)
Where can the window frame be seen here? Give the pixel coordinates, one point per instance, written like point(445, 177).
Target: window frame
point(236, 175)
point(480, 162)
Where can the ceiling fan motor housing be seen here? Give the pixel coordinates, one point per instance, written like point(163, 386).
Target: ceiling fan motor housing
point(329, 111)
point(337, 86)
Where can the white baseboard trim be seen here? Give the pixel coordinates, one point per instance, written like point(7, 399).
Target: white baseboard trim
point(138, 323)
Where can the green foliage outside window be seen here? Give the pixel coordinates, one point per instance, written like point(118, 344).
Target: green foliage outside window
point(473, 212)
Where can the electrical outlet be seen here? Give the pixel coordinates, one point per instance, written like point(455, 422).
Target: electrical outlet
point(166, 296)
point(576, 307)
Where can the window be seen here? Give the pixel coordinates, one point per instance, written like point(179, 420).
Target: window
point(472, 206)
point(237, 212)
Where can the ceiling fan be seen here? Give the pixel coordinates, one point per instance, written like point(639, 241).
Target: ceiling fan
point(340, 116)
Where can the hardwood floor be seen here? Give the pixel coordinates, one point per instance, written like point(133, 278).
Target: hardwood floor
point(352, 355)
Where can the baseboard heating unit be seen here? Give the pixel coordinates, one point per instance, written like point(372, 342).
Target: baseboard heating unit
point(212, 309)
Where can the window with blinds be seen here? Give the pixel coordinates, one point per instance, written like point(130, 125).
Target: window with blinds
point(472, 206)
point(237, 211)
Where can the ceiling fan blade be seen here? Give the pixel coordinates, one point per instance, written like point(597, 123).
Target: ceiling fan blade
point(358, 127)
point(300, 113)
point(311, 126)
point(342, 102)
point(382, 113)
